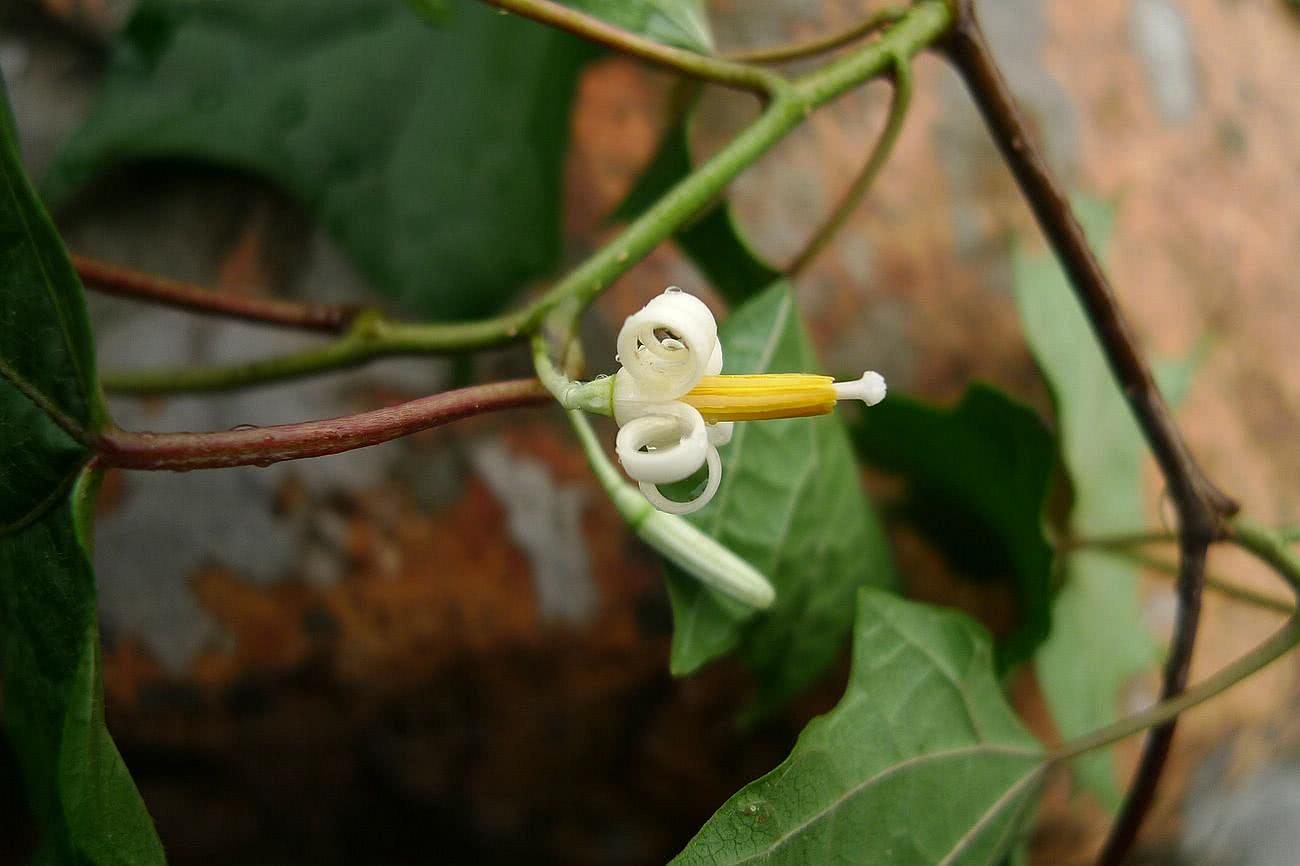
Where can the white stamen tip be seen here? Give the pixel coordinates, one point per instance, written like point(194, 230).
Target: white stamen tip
point(870, 389)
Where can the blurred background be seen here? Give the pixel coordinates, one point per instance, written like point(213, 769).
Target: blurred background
point(448, 649)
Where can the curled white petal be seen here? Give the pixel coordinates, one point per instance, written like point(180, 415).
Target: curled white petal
point(677, 539)
point(666, 446)
point(671, 506)
point(668, 345)
point(714, 367)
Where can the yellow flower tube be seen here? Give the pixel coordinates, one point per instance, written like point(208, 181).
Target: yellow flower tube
point(762, 396)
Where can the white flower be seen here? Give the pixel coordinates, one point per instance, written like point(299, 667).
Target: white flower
point(674, 409)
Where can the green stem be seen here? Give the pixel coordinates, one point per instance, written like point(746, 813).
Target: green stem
point(924, 24)
point(1284, 534)
point(867, 176)
point(372, 337)
point(727, 72)
point(1120, 540)
point(1226, 588)
point(631, 505)
point(596, 396)
point(369, 337)
point(1269, 651)
point(1269, 546)
point(799, 50)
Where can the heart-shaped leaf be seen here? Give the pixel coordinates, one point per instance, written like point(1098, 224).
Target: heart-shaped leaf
point(434, 154)
point(921, 763)
point(83, 800)
point(48, 387)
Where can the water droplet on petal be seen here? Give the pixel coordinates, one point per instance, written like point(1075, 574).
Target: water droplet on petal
point(673, 290)
point(244, 427)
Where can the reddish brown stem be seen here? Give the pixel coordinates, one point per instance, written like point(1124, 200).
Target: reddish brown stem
point(1201, 507)
point(262, 446)
point(123, 282)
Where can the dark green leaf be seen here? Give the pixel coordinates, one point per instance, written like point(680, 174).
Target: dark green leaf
point(1099, 641)
point(922, 762)
point(978, 476)
point(434, 155)
point(682, 23)
point(47, 365)
point(712, 240)
point(85, 805)
point(791, 504)
point(433, 11)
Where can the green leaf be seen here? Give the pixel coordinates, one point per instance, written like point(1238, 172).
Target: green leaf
point(711, 240)
point(78, 789)
point(1101, 446)
point(433, 11)
point(85, 804)
point(681, 23)
point(1174, 376)
point(47, 364)
point(434, 155)
point(921, 763)
point(978, 475)
point(791, 505)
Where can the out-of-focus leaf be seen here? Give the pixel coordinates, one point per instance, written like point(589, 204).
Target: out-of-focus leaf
point(1019, 855)
point(921, 763)
point(433, 154)
point(682, 23)
point(790, 504)
point(1099, 641)
point(1174, 376)
point(433, 11)
point(978, 475)
point(711, 240)
point(85, 805)
point(47, 366)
